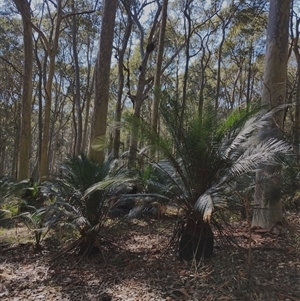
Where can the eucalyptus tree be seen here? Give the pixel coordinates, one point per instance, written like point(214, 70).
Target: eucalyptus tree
point(78, 122)
point(295, 32)
point(124, 33)
point(50, 44)
point(11, 58)
point(224, 19)
point(242, 48)
point(86, 33)
point(268, 203)
point(157, 77)
point(48, 26)
point(25, 133)
point(75, 58)
point(144, 83)
point(102, 72)
point(200, 74)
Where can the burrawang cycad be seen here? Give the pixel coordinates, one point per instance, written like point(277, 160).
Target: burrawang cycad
point(201, 163)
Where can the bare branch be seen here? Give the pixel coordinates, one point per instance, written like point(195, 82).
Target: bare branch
point(78, 13)
point(11, 65)
point(172, 58)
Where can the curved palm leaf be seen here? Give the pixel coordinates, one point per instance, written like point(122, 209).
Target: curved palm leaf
point(244, 155)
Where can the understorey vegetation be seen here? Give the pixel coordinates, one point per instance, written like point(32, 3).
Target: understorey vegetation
point(149, 150)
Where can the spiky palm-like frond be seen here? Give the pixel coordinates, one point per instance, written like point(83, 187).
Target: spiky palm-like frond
point(78, 174)
point(244, 154)
point(203, 160)
point(195, 156)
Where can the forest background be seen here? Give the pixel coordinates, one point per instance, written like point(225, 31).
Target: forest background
point(213, 53)
point(64, 94)
point(113, 111)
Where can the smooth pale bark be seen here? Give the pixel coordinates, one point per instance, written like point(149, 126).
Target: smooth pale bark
point(25, 133)
point(102, 73)
point(267, 199)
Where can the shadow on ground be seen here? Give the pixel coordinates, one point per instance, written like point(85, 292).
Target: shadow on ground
point(137, 265)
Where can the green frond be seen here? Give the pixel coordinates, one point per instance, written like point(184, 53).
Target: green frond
point(81, 172)
point(244, 154)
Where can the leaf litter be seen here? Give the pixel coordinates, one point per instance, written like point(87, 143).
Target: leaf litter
point(139, 266)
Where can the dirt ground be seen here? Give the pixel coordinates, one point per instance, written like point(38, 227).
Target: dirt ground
point(137, 265)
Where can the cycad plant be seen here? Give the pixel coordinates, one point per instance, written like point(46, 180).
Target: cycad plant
point(87, 214)
point(78, 173)
point(201, 162)
point(25, 201)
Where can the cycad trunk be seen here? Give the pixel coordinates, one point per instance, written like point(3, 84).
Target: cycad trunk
point(196, 239)
point(268, 207)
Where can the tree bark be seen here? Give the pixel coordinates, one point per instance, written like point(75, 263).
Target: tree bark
point(118, 109)
point(225, 23)
point(188, 36)
point(102, 74)
point(296, 132)
point(267, 198)
point(157, 87)
point(51, 49)
point(144, 84)
point(78, 114)
point(25, 131)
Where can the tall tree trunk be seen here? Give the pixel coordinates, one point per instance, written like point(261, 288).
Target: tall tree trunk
point(204, 61)
point(249, 75)
point(98, 129)
point(144, 84)
point(187, 59)
point(225, 23)
point(160, 51)
point(78, 138)
point(296, 133)
point(87, 97)
point(118, 109)
point(25, 132)
point(51, 51)
point(90, 89)
point(297, 100)
point(15, 162)
point(2, 158)
point(40, 74)
point(267, 199)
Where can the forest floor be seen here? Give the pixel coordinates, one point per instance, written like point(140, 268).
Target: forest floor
point(137, 265)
